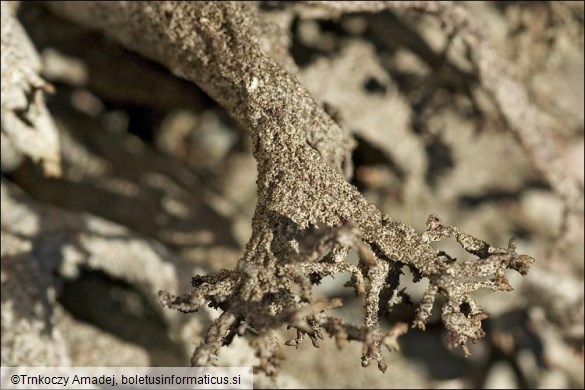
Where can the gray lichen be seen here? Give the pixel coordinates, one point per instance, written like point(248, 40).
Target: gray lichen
point(308, 216)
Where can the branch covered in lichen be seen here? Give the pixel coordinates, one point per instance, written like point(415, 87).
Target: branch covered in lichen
point(307, 215)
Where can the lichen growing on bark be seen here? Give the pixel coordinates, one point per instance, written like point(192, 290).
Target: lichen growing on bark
point(308, 216)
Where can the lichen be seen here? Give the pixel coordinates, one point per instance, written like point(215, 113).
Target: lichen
point(307, 216)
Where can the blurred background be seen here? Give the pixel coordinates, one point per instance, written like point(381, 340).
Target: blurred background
point(157, 184)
